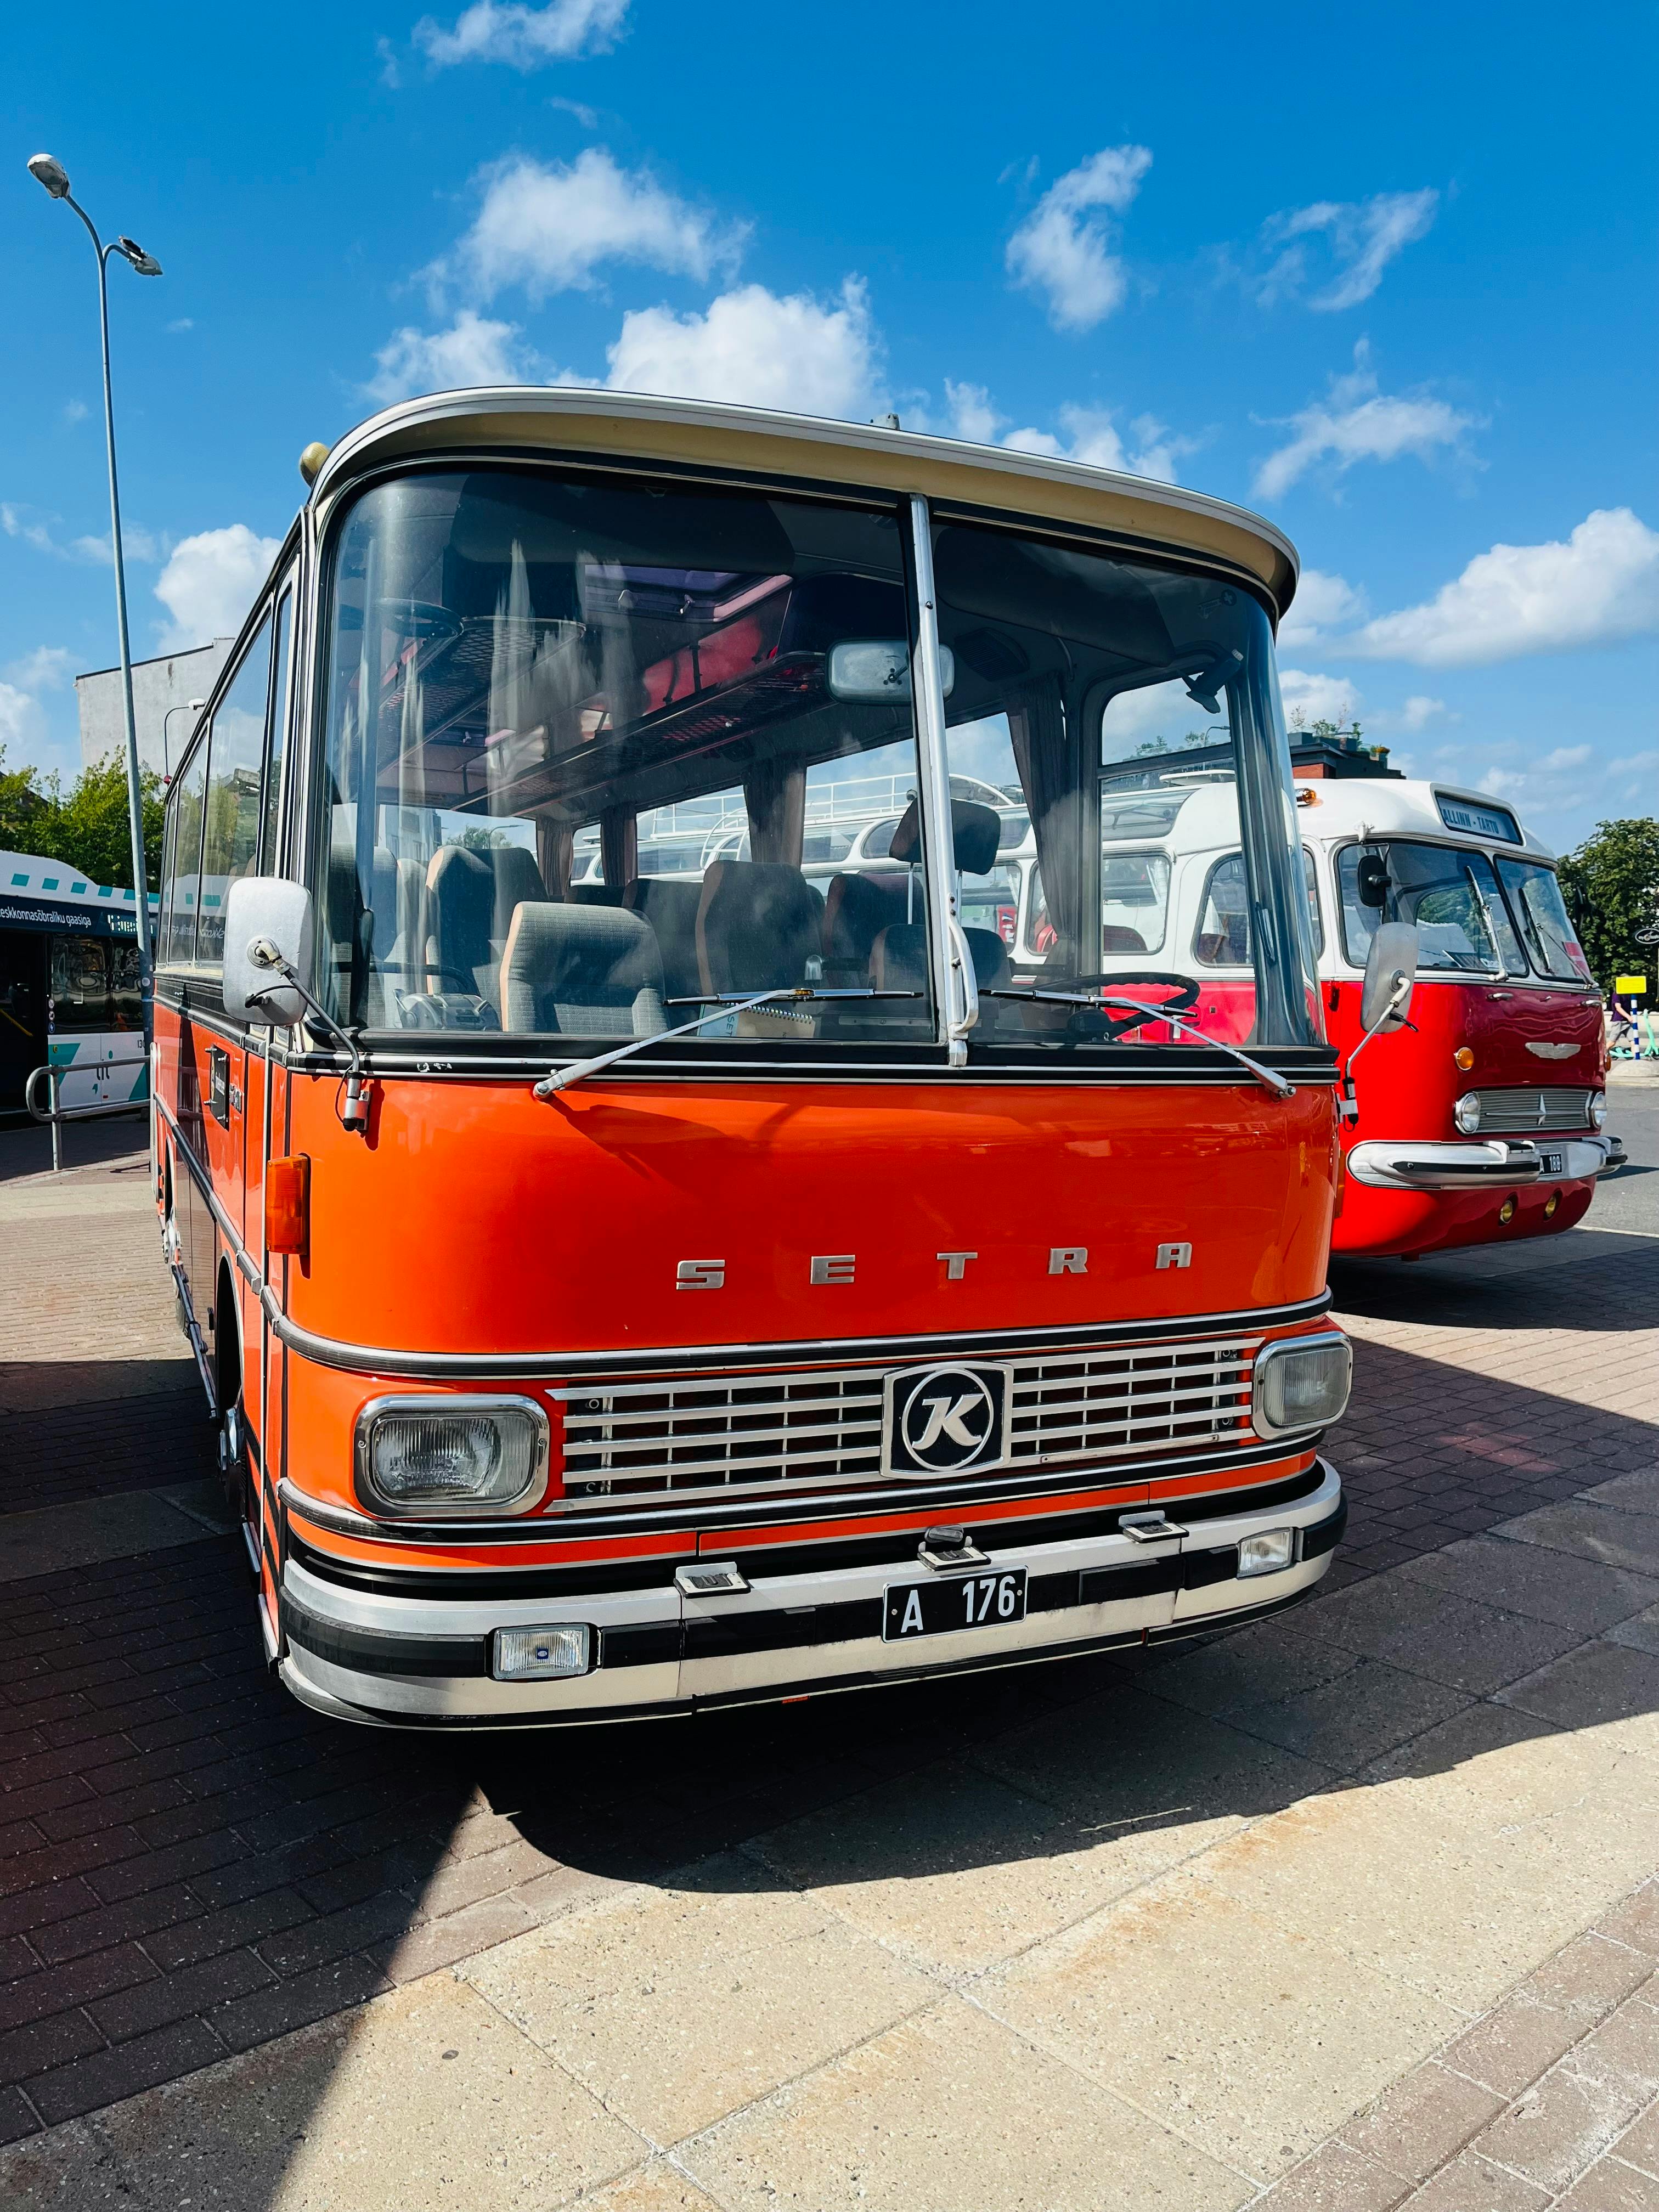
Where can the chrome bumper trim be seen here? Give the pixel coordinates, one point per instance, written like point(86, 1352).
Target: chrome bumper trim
point(1405, 1163)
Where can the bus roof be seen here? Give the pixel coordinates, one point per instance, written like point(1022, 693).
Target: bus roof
point(804, 447)
point(36, 893)
point(1410, 807)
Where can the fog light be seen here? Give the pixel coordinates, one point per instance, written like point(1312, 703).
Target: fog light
point(1506, 1212)
point(1598, 1109)
point(442, 1456)
point(1550, 1205)
point(1466, 1112)
point(541, 1655)
point(1267, 1553)
point(1301, 1384)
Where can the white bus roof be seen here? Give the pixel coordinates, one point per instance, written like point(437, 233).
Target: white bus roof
point(813, 448)
point(27, 876)
point(1354, 806)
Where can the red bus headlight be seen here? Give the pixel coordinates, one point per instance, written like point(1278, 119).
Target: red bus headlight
point(1301, 1384)
point(425, 1458)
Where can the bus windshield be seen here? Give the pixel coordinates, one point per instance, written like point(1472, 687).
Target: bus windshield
point(601, 755)
point(1079, 680)
point(1451, 894)
point(1535, 894)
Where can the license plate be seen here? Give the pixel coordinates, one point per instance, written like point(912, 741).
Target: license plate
point(945, 1605)
point(1554, 1163)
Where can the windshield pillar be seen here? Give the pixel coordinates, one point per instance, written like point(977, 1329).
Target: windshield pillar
point(950, 977)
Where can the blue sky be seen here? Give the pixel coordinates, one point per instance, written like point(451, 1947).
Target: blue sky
point(1387, 274)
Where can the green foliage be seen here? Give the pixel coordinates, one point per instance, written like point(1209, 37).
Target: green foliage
point(85, 827)
point(1611, 886)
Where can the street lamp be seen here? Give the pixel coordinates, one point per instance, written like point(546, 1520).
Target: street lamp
point(54, 178)
point(186, 706)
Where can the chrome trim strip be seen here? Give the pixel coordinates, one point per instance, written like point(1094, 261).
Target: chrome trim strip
point(957, 1010)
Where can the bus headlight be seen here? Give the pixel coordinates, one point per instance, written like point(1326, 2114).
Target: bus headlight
point(542, 1655)
point(426, 1458)
point(1466, 1113)
point(1300, 1384)
point(1598, 1109)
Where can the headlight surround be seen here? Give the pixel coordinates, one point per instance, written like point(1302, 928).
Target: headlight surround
point(1598, 1109)
point(1466, 1113)
point(441, 1458)
point(1269, 1552)
point(1301, 1384)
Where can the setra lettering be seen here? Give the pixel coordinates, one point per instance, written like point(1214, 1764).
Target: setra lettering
point(1069, 1259)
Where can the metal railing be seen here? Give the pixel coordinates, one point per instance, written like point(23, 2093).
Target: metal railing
point(57, 1113)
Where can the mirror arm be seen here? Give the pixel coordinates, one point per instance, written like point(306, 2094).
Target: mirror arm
point(354, 1113)
point(1348, 1104)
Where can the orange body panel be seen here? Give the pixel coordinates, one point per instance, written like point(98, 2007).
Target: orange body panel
point(476, 1218)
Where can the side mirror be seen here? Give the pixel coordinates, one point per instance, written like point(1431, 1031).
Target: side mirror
point(1390, 972)
point(272, 916)
point(1372, 880)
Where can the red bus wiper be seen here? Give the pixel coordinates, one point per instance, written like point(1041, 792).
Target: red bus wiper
point(723, 1005)
point(1274, 1083)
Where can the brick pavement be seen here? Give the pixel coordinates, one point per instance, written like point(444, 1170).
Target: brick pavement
point(192, 1865)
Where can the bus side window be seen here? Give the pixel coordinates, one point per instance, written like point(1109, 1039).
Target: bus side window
point(180, 896)
point(80, 984)
point(271, 858)
point(230, 836)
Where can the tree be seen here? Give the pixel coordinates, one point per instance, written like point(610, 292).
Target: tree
point(1611, 886)
point(86, 827)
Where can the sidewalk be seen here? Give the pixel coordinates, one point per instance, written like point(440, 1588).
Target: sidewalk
point(1350, 1910)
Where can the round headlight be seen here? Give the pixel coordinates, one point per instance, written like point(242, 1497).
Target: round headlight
point(1466, 1112)
point(1598, 1109)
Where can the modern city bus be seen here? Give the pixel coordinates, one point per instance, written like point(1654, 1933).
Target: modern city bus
point(71, 997)
point(654, 1236)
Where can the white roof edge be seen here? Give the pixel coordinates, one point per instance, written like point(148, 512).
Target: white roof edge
point(628, 406)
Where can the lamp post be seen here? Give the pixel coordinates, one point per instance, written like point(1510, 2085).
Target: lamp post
point(54, 179)
point(185, 707)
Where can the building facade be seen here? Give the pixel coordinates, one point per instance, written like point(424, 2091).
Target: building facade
point(159, 686)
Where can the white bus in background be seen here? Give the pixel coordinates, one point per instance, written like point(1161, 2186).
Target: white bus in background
point(70, 993)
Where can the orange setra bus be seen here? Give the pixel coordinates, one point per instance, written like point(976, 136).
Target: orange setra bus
point(650, 1241)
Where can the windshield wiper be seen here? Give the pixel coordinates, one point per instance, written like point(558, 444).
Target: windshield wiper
point(1276, 1084)
point(724, 1005)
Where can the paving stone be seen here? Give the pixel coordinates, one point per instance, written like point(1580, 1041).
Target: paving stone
point(677, 2006)
point(1546, 2014)
point(107, 2076)
point(1423, 2121)
point(67, 2169)
point(1641, 1630)
point(1576, 1593)
point(1472, 2183)
point(1593, 1531)
point(656, 2186)
point(1611, 2185)
point(916, 2120)
point(423, 2101)
point(1452, 1639)
point(1597, 1683)
point(1336, 2179)
point(1640, 2144)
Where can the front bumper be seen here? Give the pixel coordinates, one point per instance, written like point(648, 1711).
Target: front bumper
point(423, 1661)
point(1411, 1164)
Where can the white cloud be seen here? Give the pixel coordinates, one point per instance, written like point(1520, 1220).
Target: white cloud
point(1499, 783)
point(74, 410)
point(547, 226)
point(471, 352)
point(1311, 698)
point(138, 542)
point(1321, 602)
point(1419, 710)
point(1634, 764)
point(972, 414)
point(753, 347)
point(1357, 423)
point(524, 38)
point(1602, 585)
point(21, 722)
point(208, 584)
point(184, 323)
point(44, 670)
point(1565, 757)
point(1363, 237)
point(1063, 251)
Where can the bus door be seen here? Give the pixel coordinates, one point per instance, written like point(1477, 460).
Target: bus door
point(22, 1012)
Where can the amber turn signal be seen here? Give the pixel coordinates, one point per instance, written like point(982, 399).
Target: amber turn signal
point(1463, 1057)
point(287, 1204)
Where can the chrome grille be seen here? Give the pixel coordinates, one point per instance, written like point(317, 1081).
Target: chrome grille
point(1107, 1405)
point(1523, 1111)
point(716, 1436)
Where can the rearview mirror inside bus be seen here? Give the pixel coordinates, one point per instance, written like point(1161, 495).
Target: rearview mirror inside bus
point(1390, 968)
point(873, 668)
point(266, 910)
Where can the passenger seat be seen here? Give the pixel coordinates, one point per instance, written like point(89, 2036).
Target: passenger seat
point(580, 971)
point(758, 924)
